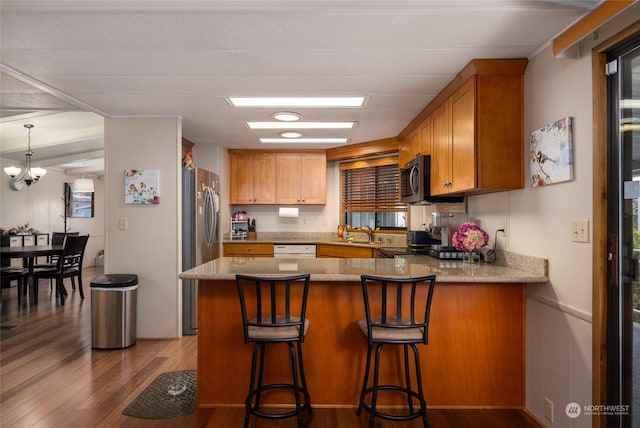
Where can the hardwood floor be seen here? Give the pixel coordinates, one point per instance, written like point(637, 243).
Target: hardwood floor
point(50, 376)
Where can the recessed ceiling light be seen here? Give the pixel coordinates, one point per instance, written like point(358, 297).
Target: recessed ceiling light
point(304, 140)
point(290, 134)
point(286, 116)
point(301, 125)
point(298, 102)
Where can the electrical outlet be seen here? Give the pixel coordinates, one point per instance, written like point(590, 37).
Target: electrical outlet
point(505, 227)
point(122, 224)
point(548, 409)
point(580, 230)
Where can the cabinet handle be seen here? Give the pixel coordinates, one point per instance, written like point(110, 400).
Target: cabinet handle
point(249, 249)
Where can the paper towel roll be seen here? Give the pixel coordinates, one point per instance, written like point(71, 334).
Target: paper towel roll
point(288, 212)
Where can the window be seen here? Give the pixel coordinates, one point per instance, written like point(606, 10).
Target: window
point(370, 194)
point(78, 204)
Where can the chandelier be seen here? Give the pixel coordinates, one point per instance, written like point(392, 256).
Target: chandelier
point(30, 175)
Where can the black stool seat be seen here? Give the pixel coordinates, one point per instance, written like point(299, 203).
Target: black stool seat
point(395, 315)
point(273, 311)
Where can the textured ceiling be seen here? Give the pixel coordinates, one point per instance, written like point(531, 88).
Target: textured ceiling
point(182, 58)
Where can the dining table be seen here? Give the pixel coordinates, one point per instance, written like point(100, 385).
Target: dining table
point(30, 253)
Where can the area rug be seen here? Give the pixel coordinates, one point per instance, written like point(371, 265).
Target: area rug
point(169, 395)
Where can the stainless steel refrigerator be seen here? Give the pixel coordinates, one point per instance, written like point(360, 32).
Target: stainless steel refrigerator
point(200, 234)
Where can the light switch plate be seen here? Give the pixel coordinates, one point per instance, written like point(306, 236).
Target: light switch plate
point(580, 230)
point(123, 223)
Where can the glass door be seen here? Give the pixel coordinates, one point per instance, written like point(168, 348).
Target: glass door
point(623, 320)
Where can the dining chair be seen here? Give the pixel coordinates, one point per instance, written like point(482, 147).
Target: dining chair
point(396, 314)
point(57, 238)
point(68, 265)
point(11, 273)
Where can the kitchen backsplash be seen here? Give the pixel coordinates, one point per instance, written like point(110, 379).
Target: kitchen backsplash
point(387, 239)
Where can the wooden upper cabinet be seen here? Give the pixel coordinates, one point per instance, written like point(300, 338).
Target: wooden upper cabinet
point(268, 178)
point(252, 178)
point(477, 136)
point(474, 130)
point(409, 148)
point(301, 179)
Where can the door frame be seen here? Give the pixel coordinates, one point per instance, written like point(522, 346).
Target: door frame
point(600, 216)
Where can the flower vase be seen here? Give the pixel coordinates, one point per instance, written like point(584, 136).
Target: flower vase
point(470, 258)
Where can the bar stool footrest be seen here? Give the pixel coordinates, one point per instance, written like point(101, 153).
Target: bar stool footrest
point(303, 406)
point(407, 417)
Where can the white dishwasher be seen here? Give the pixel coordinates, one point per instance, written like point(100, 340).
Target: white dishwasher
point(293, 251)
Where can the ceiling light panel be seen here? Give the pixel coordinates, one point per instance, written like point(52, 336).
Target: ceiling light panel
point(301, 125)
point(298, 102)
point(304, 140)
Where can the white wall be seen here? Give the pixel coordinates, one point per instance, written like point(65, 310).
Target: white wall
point(41, 205)
point(150, 247)
point(558, 320)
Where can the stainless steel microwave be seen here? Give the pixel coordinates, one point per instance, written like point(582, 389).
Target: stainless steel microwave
point(415, 183)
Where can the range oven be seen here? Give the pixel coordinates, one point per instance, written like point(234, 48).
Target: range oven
point(415, 183)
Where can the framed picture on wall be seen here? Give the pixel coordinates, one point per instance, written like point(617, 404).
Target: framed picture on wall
point(142, 186)
point(551, 153)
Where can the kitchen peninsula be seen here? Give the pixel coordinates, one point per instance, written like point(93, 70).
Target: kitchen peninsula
point(475, 356)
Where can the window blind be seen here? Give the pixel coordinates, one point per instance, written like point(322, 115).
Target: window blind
point(370, 188)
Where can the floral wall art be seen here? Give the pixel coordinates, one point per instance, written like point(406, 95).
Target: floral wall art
point(142, 186)
point(551, 153)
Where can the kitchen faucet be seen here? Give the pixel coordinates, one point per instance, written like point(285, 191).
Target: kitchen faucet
point(369, 233)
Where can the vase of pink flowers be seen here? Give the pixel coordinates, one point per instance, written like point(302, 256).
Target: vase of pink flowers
point(469, 237)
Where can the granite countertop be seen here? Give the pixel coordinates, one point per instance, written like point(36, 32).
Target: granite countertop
point(328, 269)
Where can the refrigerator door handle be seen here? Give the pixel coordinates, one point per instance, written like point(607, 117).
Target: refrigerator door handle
point(208, 217)
point(215, 204)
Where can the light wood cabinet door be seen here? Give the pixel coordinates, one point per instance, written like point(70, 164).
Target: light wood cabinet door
point(409, 148)
point(288, 173)
point(453, 167)
point(301, 179)
point(425, 137)
point(313, 182)
point(463, 153)
point(241, 179)
point(264, 178)
point(441, 149)
point(252, 178)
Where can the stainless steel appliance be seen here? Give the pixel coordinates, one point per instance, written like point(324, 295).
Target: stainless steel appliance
point(200, 234)
point(451, 253)
point(415, 183)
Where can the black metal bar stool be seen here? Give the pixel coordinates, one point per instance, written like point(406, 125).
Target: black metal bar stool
point(273, 311)
point(395, 316)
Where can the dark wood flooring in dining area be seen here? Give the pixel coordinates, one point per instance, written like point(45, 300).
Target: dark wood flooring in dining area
point(50, 376)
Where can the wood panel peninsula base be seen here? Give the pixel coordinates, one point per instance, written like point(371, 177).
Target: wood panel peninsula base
point(475, 356)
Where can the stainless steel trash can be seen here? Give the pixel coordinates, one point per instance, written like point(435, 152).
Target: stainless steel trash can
point(113, 311)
